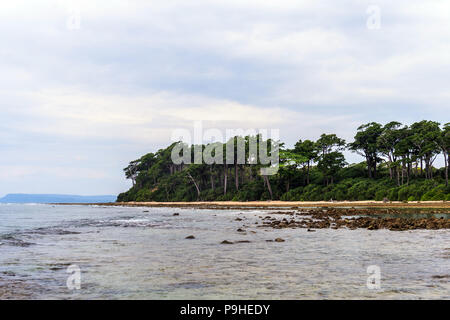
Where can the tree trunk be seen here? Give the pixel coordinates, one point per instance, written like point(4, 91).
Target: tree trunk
point(390, 166)
point(196, 185)
point(446, 167)
point(211, 178)
point(266, 179)
point(307, 175)
point(375, 169)
point(236, 176)
point(421, 166)
point(403, 172)
point(225, 178)
point(369, 167)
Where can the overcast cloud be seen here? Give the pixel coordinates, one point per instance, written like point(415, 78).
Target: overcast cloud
point(79, 103)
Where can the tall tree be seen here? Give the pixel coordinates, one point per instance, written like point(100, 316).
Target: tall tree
point(330, 159)
point(425, 137)
point(330, 164)
point(365, 144)
point(387, 143)
point(308, 150)
point(290, 162)
point(328, 142)
point(444, 143)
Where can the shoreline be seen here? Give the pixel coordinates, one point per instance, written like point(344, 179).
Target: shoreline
point(279, 204)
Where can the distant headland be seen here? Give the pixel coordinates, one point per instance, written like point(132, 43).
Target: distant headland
point(55, 198)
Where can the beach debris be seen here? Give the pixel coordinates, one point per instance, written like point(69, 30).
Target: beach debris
point(176, 214)
point(279, 240)
point(226, 242)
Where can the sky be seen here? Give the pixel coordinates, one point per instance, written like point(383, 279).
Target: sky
point(88, 86)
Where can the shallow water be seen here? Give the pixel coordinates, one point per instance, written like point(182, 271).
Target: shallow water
point(126, 253)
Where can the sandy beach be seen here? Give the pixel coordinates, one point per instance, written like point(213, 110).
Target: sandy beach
point(288, 204)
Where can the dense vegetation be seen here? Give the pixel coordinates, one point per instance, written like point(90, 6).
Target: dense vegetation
point(398, 166)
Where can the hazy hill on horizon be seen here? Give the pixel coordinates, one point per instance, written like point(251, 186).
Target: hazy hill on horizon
point(55, 198)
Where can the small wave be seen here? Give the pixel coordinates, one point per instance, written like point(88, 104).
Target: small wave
point(15, 242)
point(132, 223)
point(50, 231)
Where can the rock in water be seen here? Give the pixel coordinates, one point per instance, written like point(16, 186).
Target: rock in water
point(190, 237)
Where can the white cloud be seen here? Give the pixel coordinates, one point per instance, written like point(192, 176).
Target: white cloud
point(152, 118)
point(136, 70)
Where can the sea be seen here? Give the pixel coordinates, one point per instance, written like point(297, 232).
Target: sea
point(106, 252)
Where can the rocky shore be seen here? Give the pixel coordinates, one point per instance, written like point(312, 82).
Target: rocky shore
point(335, 218)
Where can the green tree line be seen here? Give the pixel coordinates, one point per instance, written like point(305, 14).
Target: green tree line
point(398, 166)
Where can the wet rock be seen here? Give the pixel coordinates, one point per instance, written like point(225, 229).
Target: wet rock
point(190, 237)
point(279, 240)
point(352, 218)
point(311, 230)
point(240, 230)
point(176, 214)
point(243, 241)
point(238, 219)
point(226, 242)
point(445, 276)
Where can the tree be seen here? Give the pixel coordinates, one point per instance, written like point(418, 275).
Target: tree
point(131, 171)
point(328, 142)
point(307, 150)
point(387, 143)
point(290, 162)
point(365, 144)
point(330, 164)
point(444, 143)
point(425, 137)
point(328, 159)
point(406, 153)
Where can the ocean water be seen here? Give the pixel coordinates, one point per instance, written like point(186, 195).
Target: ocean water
point(142, 253)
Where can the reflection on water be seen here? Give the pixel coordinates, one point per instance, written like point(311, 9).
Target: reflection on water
point(126, 253)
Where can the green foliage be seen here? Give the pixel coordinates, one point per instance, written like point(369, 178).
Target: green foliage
point(311, 171)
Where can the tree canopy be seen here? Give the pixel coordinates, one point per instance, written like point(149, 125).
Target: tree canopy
point(398, 165)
